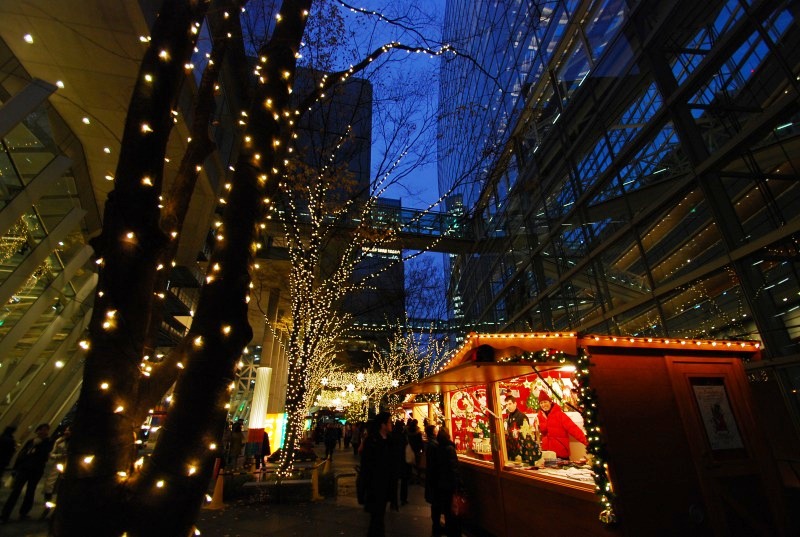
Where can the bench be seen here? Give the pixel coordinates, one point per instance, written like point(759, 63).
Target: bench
point(268, 487)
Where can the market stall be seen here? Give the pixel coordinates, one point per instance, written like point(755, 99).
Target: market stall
point(566, 434)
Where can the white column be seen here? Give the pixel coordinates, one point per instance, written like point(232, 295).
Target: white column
point(258, 408)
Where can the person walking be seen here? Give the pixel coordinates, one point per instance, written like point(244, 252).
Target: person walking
point(403, 472)
point(236, 444)
point(447, 481)
point(28, 469)
point(54, 468)
point(330, 441)
point(376, 469)
point(8, 446)
point(358, 435)
point(431, 449)
point(414, 437)
point(348, 434)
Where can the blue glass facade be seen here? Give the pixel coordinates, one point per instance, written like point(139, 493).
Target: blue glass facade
point(636, 173)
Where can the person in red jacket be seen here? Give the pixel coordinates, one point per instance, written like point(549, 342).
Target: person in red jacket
point(556, 427)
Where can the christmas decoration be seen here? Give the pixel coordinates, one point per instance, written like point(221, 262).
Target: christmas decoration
point(587, 402)
point(530, 450)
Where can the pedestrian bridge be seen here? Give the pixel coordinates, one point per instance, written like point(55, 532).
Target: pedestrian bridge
point(413, 229)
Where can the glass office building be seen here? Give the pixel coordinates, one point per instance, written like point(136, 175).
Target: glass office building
point(633, 170)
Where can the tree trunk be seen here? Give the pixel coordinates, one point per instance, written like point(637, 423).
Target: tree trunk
point(105, 492)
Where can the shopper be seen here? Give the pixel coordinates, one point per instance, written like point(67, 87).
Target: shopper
point(431, 449)
point(376, 469)
point(447, 481)
point(8, 446)
point(414, 438)
point(28, 470)
point(403, 468)
point(54, 468)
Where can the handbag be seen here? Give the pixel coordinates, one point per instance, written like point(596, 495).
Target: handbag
point(459, 504)
point(411, 458)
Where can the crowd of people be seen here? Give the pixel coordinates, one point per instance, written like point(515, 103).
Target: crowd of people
point(41, 456)
point(395, 453)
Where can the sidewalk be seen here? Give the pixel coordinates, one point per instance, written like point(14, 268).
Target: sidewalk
point(332, 517)
point(328, 518)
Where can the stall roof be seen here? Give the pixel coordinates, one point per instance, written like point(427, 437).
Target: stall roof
point(472, 373)
point(465, 369)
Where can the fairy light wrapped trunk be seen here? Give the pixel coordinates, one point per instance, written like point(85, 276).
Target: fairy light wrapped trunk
point(565, 433)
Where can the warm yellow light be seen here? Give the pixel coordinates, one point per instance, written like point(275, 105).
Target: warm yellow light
point(28, 38)
point(88, 459)
point(104, 385)
point(160, 483)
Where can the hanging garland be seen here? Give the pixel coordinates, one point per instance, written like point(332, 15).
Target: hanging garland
point(588, 402)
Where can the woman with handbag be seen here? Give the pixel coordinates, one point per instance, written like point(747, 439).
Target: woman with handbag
point(447, 481)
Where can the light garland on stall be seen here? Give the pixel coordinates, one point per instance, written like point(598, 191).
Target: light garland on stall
point(588, 402)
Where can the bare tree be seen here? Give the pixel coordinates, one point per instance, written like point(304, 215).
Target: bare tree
point(108, 489)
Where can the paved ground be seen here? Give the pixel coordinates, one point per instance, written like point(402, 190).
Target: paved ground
point(340, 515)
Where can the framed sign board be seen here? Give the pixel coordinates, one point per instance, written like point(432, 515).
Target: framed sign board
point(719, 421)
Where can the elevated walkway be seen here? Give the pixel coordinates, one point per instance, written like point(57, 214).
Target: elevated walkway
point(414, 229)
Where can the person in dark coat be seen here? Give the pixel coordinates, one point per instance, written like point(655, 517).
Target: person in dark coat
point(377, 473)
point(430, 480)
point(8, 446)
point(402, 468)
point(414, 437)
point(331, 437)
point(447, 481)
point(28, 469)
point(556, 427)
point(237, 442)
point(515, 418)
point(265, 450)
